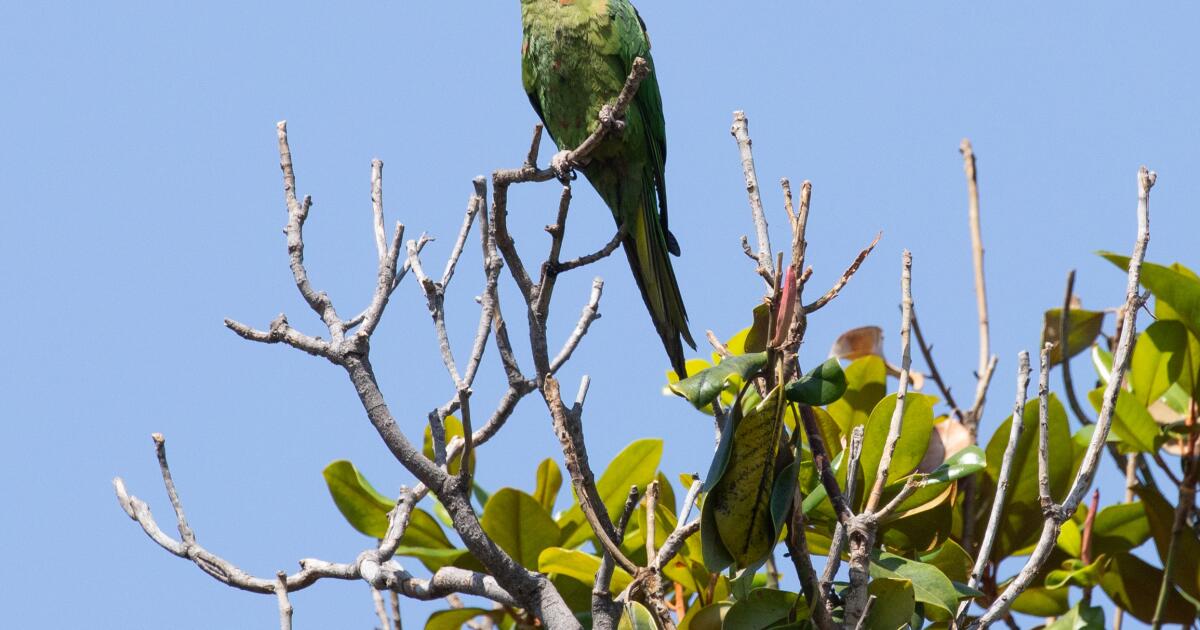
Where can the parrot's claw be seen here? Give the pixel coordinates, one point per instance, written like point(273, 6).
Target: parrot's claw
point(562, 166)
point(609, 120)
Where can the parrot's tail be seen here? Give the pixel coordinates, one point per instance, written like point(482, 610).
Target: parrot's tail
point(646, 246)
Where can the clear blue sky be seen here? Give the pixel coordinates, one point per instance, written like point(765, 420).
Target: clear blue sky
point(141, 204)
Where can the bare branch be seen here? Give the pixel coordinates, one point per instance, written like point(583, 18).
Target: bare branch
point(591, 313)
point(600, 254)
point(741, 133)
point(604, 609)
point(285, 606)
point(846, 275)
point(834, 560)
point(1002, 482)
point(977, 252)
point(1044, 429)
point(385, 623)
point(927, 353)
point(377, 207)
point(1087, 468)
point(893, 436)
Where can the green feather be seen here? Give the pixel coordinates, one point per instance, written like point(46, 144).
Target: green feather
point(576, 56)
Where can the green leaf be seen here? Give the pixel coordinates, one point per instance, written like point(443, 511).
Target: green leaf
point(635, 465)
point(579, 565)
point(1120, 528)
point(895, 602)
point(866, 385)
point(1133, 585)
point(1022, 514)
point(1076, 573)
point(360, 503)
point(1083, 329)
point(1158, 360)
point(1080, 617)
point(757, 334)
point(951, 560)
point(549, 481)
point(930, 586)
point(701, 388)
point(710, 617)
point(1042, 602)
point(914, 436)
point(425, 541)
point(636, 617)
point(454, 619)
point(1179, 290)
point(823, 385)
point(739, 503)
point(520, 525)
point(763, 608)
point(1161, 516)
point(1132, 423)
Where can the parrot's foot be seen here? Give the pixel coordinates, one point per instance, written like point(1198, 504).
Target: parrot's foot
point(608, 119)
point(562, 166)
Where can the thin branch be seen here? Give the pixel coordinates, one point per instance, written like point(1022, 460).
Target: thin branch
point(1002, 482)
point(600, 254)
point(651, 506)
point(604, 609)
point(846, 275)
point(897, 422)
point(1044, 429)
point(741, 133)
point(977, 253)
point(285, 606)
point(838, 544)
point(927, 353)
point(377, 207)
point(385, 623)
point(1087, 468)
point(590, 313)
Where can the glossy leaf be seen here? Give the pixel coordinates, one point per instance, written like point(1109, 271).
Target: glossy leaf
point(823, 385)
point(579, 565)
point(636, 617)
point(360, 503)
point(549, 481)
point(635, 465)
point(1075, 573)
point(1132, 423)
point(930, 586)
point(756, 334)
point(1133, 585)
point(1120, 528)
point(954, 562)
point(1101, 362)
point(966, 462)
point(1179, 290)
point(914, 436)
point(425, 541)
point(895, 602)
point(1042, 602)
point(1161, 516)
point(701, 388)
point(710, 617)
point(763, 608)
point(738, 505)
point(454, 619)
point(519, 525)
point(1022, 515)
point(1080, 617)
point(1083, 329)
point(866, 385)
point(1158, 360)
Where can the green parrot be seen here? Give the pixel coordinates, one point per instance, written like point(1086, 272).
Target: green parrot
point(576, 56)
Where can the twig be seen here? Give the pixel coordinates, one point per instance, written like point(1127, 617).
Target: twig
point(395, 598)
point(977, 253)
point(604, 610)
point(1087, 468)
point(1002, 482)
point(377, 208)
point(846, 275)
point(862, 621)
point(285, 606)
point(591, 312)
point(927, 353)
point(651, 506)
point(600, 254)
point(893, 436)
point(385, 623)
point(838, 544)
point(1044, 429)
point(741, 133)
